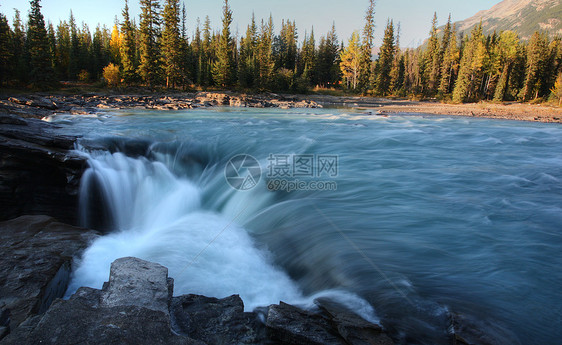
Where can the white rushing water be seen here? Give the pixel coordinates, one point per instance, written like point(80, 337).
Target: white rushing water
point(158, 217)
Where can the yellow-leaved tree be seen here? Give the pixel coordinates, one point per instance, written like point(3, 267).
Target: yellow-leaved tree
point(351, 62)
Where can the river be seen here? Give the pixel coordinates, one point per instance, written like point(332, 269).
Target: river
point(407, 219)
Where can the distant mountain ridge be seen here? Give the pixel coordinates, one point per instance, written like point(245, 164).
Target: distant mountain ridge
point(521, 16)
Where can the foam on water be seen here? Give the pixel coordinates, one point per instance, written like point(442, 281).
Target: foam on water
point(158, 217)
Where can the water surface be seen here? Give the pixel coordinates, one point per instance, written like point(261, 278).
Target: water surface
point(432, 216)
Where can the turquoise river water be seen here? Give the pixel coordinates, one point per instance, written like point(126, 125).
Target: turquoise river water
point(409, 220)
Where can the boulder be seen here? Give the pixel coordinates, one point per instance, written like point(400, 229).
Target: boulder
point(217, 321)
point(39, 174)
point(132, 308)
point(291, 325)
point(138, 283)
point(35, 266)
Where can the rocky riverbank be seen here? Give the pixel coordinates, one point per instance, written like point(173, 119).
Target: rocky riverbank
point(39, 106)
point(136, 307)
point(504, 111)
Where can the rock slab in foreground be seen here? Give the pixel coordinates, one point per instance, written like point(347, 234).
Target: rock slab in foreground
point(35, 265)
point(136, 307)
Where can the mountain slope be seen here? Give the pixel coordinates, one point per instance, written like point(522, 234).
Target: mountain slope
point(522, 16)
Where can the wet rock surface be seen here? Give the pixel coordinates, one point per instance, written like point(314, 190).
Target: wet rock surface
point(136, 307)
point(39, 173)
point(35, 266)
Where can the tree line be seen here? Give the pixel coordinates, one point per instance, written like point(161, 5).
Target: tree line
point(158, 52)
point(452, 66)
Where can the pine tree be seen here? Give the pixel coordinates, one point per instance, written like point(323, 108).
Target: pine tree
point(537, 52)
point(20, 58)
point(41, 71)
point(432, 60)
point(266, 64)
point(365, 78)
point(100, 57)
point(507, 47)
point(74, 47)
point(207, 55)
point(52, 44)
point(186, 53)
point(398, 65)
point(5, 53)
point(196, 49)
point(386, 58)
point(171, 44)
point(285, 46)
point(328, 69)
point(224, 65)
point(450, 67)
point(128, 48)
point(63, 51)
point(308, 58)
point(351, 62)
point(552, 68)
point(471, 68)
point(557, 89)
point(247, 68)
point(149, 67)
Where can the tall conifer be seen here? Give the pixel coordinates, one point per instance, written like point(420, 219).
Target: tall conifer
point(41, 71)
point(223, 66)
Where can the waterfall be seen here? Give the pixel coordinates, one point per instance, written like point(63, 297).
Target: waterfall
point(157, 216)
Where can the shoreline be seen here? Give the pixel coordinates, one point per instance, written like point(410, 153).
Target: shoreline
point(40, 105)
point(504, 111)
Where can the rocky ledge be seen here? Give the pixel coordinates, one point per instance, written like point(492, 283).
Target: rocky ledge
point(136, 307)
point(39, 173)
point(41, 106)
point(35, 266)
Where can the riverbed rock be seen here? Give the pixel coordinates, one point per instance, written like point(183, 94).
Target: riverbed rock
point(35, 266)
point(132, 308)
point(136, 307)
point(217, 321)
point(140, 283)
point(465, 330)
point(39, 172)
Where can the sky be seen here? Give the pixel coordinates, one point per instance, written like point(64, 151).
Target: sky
point(414, 16)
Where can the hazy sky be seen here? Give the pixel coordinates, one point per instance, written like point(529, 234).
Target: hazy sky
point(413, 15)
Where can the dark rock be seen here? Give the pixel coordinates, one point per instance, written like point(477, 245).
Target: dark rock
point(38, 172)
point(34, 101)
point(42, 102)
point(132, 308)
point(36, 263)
point(217, 321)
point(136, 307)
point(467, 331)
point(291, 325)
point(71, 322)
point(353, 328)
point(4, 321)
